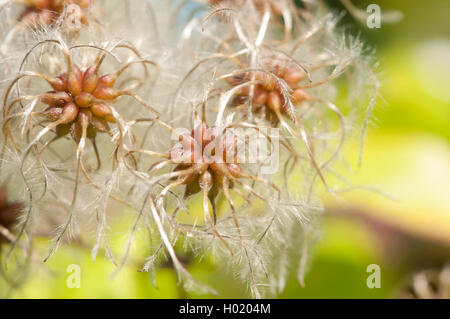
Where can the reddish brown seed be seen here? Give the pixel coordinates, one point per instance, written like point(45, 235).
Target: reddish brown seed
point(53, 113)
point(41, 4)
point(206, 180)
point(59, 83)
point(84, 99)
point(57, 99)
point(107, 80)
point(84, 3)
point(274, 101)
point(90, 79)
point(110, 118)
point(235, 169)
point(74, 81)
point(259, 97)
point(69, 113)
point(101, 110)
point(300, 95)
point(105, 93)
point(294, 75)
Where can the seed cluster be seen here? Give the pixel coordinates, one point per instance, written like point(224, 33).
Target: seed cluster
point(48, 11)
point(268, 100)
point(208, 155)
point(80, 96)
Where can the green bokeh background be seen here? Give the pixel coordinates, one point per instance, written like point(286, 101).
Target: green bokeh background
point(407, 155)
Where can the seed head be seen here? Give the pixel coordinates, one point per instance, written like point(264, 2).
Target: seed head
point(78, 96)
point(46, 12)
